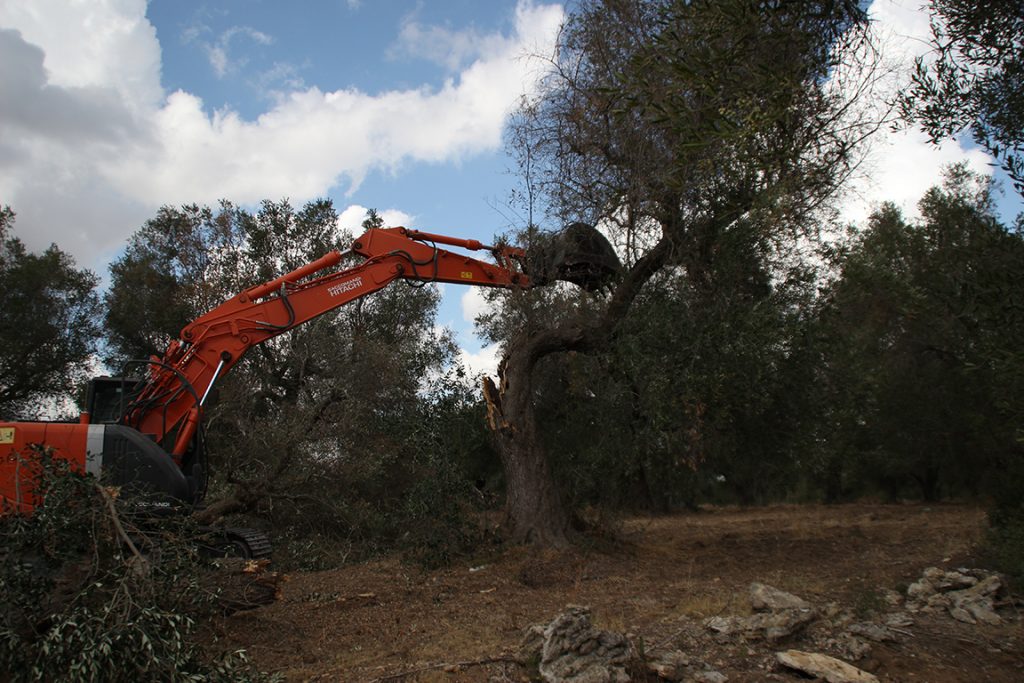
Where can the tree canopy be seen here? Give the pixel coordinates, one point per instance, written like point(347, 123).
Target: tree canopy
point(49, 325)
point(342, 420)
point(920, 374)
point(973, 79)
point(687, 130)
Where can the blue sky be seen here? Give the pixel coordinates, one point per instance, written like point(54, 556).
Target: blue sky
point(111, 108)
point(333, 45)
point(244, 55)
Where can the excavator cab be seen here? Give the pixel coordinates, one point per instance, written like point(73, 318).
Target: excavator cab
point(578, 254)
point(107, 397)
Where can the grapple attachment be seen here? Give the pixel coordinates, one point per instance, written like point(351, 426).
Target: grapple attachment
point(578, 254)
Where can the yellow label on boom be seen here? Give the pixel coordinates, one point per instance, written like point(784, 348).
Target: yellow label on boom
point(6, 434)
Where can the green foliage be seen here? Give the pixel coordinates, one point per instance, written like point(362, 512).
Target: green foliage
point(699, 398)
point(919, 385)
point(438, 518)
point(48, 324)
point(902, 376)
point(703, 137)
point(79, 605)
point(419, 500)
point(1006, 536)
point(324, 432)
point(673, 118)
point(186, 261)
point(973, 78)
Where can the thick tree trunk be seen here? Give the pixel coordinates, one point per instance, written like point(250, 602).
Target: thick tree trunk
point(928, 480)
point(534, 510)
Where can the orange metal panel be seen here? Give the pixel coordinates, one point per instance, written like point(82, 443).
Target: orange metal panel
point(17, 468)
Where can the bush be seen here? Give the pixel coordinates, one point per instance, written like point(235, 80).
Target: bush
point(1006, 535)
point(87, 595)
point(1006, 540)
point(439, 521)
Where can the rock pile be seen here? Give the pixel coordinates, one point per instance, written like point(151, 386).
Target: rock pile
point(968, 595)
point(777, 615)
point(571, 650)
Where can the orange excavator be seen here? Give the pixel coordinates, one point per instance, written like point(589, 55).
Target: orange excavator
point(144, 436)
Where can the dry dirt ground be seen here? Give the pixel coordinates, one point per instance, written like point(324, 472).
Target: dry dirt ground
point(662, 576)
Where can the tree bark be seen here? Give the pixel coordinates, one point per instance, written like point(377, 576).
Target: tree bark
point(534, 510)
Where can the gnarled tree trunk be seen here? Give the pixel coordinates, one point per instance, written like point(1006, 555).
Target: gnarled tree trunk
point(534, 510)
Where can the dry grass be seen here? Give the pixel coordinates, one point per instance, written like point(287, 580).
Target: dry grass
point(666, 569)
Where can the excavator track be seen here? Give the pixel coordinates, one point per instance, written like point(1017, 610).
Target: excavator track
point(255, 542)
point(248, 544)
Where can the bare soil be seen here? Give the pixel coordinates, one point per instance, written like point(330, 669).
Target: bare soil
point(655, 582)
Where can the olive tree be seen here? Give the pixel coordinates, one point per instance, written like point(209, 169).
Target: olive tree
point(972, 79)
point(675, 126)
point(48, 324)
point(328, 427)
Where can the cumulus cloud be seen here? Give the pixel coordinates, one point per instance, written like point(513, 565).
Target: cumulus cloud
point(352, 218)
point(67, 106)
point(68, 115)
point(106, 43)
point(482, 362)
point(314, 140)
point(474, 304)
point(902, 164)
point(118, 146)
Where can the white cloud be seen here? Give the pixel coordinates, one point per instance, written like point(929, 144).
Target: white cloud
point(474, 304)
point(902, 165)
point(440, 44)
point(280, 79)
point(904, 26)
point(217, 52)
point(102, 43)
point(482, 361)
point(901, 168)
point(53, 126)
point(352, 218)
point(485, 361)
point(119, 147)
point(396, 217)
point(313, 140)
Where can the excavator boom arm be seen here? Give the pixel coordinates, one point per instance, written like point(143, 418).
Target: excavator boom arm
point(170, 404)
